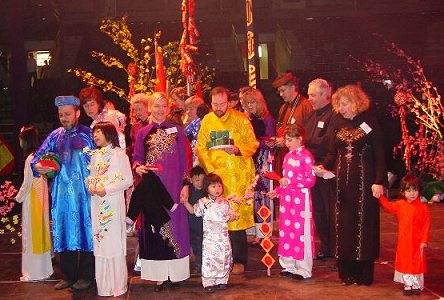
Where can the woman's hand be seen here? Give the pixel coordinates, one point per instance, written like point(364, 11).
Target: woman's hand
point(91, 190)
point(279, 142)
point(141, 169)
point(100, 192)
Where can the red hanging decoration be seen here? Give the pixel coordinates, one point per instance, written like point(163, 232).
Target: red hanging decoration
point(188, 41)
point(161, 85)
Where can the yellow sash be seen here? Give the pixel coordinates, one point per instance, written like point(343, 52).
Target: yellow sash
point(41, 241)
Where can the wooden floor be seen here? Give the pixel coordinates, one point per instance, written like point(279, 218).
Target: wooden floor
point(254, 284)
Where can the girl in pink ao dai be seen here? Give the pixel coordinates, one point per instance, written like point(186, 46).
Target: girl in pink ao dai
point(296, 242)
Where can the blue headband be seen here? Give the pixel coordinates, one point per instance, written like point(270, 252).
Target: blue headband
point(66, 100)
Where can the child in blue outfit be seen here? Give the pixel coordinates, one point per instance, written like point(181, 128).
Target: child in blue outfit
point(196, 192)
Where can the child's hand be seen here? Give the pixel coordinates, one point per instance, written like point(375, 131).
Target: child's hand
point(233, 215)
point(100, 192)
point(272, 194)
point(422, 246)
point(283, 181)
point(184, 193)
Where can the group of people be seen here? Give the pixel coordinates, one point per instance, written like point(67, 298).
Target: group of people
point(326, 151)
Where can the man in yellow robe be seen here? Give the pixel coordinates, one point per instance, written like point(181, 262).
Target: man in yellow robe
point(225, 146)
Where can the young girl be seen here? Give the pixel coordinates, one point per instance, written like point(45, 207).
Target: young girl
point(216, 248)
point(413, 235)
point(34, 195)
point(110, 176)
point(296, 242)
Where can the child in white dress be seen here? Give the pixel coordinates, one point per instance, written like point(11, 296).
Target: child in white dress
point(216, 248)
point(34, 195)
point(110, 176)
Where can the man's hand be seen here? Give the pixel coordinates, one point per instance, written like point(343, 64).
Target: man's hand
point(42, 170)
point(232, 150)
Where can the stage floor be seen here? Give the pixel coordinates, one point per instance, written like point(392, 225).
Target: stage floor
point(254, 284)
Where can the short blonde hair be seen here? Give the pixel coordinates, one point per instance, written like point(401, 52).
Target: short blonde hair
point(140, 98)
point(194, 101)
point(256, 96)
point(156, 96)
point(358, 98)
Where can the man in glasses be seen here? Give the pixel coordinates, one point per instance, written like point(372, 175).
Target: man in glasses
point(295, 110)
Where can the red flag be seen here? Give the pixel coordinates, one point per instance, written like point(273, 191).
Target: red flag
point(6, 157)
point(160, 70)
point(199, 91)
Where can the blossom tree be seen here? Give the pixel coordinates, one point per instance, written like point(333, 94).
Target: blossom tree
point(141, 70)
point(415, 98)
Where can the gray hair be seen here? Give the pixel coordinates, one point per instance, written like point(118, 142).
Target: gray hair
point(322, 84)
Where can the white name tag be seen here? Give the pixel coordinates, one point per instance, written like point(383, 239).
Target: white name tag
point(320, 124)
point(171, 130)
point(364, 126)
point(293, 121)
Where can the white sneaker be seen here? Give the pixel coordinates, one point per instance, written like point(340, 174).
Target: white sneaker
point(138, 265)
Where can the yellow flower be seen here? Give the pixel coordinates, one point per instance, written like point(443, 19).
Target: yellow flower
point(13, 241)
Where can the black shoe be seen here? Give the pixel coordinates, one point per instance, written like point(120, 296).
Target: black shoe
point(159, 287)
point(297, 277)
point(321, 256)
point(81, 284)
point(221, 287)
point(173, 285)
point(347, 281)
point(408, 292)
point(286, 274)
point(210, 289)
point(64, 284)
point(416, 291)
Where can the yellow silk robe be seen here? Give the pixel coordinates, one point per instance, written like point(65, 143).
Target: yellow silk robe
point(236, 171)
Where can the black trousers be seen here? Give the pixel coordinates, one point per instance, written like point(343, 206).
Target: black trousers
point(239, 246)
point(77, 265)
point(360, 271)
point(323, 214)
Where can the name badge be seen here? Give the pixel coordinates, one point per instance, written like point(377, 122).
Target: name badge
point(171, 130)
point(320, 124)
point(293, 120)
point(364, 126)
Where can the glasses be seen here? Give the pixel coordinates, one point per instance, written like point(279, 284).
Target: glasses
point(282, 89)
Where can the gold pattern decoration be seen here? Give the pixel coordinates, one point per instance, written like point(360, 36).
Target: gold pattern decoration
point(157, 143)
